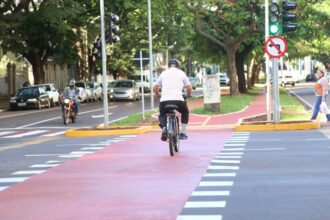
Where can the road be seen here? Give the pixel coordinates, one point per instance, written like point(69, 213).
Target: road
point(232, 175)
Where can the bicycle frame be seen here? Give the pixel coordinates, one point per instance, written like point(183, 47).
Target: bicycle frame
point(173, 131)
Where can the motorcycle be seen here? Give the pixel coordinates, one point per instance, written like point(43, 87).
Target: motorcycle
point(68, 113)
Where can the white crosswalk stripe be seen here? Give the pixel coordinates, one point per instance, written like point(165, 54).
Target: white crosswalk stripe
point(27, 133)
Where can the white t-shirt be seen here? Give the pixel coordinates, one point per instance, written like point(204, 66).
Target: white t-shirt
point(324, 82)
point(172, 81)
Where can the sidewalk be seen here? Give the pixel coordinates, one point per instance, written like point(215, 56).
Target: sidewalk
point(4, 103)
point(135, 179)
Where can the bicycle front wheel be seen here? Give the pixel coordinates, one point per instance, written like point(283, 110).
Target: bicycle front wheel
point(171, 144)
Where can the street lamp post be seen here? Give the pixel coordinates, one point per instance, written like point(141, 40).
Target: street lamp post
point(150, 56)
point(104, 68)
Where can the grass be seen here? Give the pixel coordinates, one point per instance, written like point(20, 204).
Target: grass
point(133, 119)
point(231, 103)
point(291, 108)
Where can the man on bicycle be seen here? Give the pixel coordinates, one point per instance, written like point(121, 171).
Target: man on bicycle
point(172, 81)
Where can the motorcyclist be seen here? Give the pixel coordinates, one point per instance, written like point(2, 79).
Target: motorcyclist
point(72, 92)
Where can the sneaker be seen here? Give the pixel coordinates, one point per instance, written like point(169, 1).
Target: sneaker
point(183, 136)
point(164, 135)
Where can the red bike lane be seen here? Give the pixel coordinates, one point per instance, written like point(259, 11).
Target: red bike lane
point(135, 179)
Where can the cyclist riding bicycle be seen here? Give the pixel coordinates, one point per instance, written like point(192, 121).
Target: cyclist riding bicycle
point(72, 92)
point(172, 81)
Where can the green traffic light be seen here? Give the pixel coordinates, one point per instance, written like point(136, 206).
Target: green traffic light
point(273, 29)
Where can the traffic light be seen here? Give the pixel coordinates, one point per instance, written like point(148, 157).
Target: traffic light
point(113, 29)
point(289, 18)
point(97, 48)
point(274, 28)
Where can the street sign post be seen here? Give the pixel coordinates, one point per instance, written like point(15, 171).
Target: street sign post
point(276, 46)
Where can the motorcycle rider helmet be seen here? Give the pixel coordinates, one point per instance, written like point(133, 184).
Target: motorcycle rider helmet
point(174, 62)
point(72, 82)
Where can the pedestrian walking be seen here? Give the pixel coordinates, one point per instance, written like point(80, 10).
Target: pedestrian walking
point(321, 92)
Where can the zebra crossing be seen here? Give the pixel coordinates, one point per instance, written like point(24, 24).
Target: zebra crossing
point(39, 168)
point(23, 133)
point(208, 200)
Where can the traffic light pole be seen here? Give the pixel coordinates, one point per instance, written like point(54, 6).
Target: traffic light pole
point(267, 61)
point(276, 95)
point(152, 106)
point(104, 68)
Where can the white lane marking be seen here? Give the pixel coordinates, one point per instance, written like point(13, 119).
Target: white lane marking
point(216, 183)
point(54, 134)
point(225, 161)
point(236, 141)
point(210, 193)
point(223, 168)
point(29, 133)
point(82, 152)
point(42, 155)
point(228, 157)
point(233, 145)
point(100, 116)
point(29, 172)
point(241, 134)
point(232, 149)
point(92, 148)
point(265, 149)
point(67, 145)
point(13, 179)
point(43, 165)
point(128, 136)
point(199, 217)
point(231, 153)
point(239, 138)
point(57, 118)
point(53, 161)
point(6, 132)
point(71, 156)
point(317, 139)
point(220, 175)
point(217, 204)
point(3, 188)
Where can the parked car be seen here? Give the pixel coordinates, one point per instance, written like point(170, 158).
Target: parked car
point(224, 80)
point(96, 90)
point(145, 83)
point(85, 91)
point(193, 82)
point(311, 78)
point(286, 80)
point(53, 94)
point(30, 97)
point(124, 89)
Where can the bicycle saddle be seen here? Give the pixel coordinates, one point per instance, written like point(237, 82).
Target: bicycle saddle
point(171, 106)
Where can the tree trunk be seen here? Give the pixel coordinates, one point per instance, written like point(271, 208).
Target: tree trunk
point(37, 68)
point(250, 75)
point(239, 57)
point(230, 52)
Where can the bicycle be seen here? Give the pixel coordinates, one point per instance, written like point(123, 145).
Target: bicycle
point(173, 129)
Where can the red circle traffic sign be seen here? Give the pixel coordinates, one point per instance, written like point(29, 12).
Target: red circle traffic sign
point(275, 46)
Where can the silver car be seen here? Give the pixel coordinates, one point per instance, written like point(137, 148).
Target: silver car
point(124, 89)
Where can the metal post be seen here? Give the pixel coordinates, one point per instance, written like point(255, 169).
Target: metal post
point(267, 62)
point(142, 86)
point(104, 68)
point(150, 56)
point(276, 96)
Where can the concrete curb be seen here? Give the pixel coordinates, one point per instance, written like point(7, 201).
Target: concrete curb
point(278, 127)
point(108, 132)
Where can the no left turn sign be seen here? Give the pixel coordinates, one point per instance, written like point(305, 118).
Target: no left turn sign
point(276, 46)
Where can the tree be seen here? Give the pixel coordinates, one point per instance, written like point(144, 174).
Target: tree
point(226, 25)
point(42, 30)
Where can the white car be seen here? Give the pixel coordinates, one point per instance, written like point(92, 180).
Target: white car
point(53, 93)
point(96, 90)
point(86, 94)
